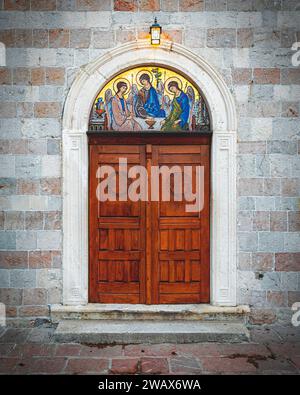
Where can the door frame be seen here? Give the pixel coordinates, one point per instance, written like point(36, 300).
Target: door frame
point(75, 162)
point(148, 140)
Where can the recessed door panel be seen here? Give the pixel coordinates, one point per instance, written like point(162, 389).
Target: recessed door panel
point(152, 252)
point(181, 238)
point(117, 232)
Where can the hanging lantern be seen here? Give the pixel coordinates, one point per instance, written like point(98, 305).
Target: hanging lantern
point(155, 31)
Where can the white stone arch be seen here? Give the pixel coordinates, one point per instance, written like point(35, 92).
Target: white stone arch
point(75, 163)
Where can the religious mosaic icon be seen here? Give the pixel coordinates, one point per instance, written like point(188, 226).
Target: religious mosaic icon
point(149, 98)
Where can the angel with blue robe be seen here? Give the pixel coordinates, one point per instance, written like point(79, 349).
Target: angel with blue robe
point(147, 103)
point(178, 119)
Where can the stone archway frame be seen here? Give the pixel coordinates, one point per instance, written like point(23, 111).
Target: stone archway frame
point(75, 163)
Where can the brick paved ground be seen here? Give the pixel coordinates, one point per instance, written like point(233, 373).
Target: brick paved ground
point(274, 350)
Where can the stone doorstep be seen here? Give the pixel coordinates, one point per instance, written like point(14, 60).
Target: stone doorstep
point(190, 312)
point(149, 331)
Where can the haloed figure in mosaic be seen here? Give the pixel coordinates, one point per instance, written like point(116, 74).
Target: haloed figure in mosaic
point(180, 110)
point(121, 118)
point(147, 103)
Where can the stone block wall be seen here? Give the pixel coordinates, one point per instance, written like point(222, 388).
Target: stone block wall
point(249, 42)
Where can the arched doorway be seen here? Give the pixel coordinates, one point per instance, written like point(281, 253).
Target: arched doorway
point(149, 131)
point(75, 163)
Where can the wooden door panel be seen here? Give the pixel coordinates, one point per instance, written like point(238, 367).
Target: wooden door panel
point(175, 208)
point(117, 234)
point(181, 288)
point(181, 239)
point(178, 298)
point(149, 252)
point(119, 208)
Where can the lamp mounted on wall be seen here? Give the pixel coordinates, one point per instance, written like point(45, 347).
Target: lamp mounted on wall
point(155, 31)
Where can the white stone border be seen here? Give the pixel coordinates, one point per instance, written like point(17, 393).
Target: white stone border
point(75, 163)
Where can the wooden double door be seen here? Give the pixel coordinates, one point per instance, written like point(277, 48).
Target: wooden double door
point(145, 251)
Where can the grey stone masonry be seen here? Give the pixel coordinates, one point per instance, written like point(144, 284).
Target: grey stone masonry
point(248, 42)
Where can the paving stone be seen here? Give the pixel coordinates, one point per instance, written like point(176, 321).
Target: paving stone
point(279, 365)
point(296, 362)
point(124, 366)
point(185, 365)
point(285, 349)
point(40, 365)
point(198, 350)
point(14, 335)
point(222, 364)
point(30, 350)
point(40, 335)
point(7, 365)
point(147, 350)
point(287, 333)
point(249, 350)
point(85, 365)
point(293, 297)
point(100, 351)
point(6, 348)
point(267, 356)
point(67, 350)
point(154, 365)
point(11, 312)
point(262, 335)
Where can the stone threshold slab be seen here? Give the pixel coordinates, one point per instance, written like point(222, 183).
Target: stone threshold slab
point(137, 331)
point(151, 312)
